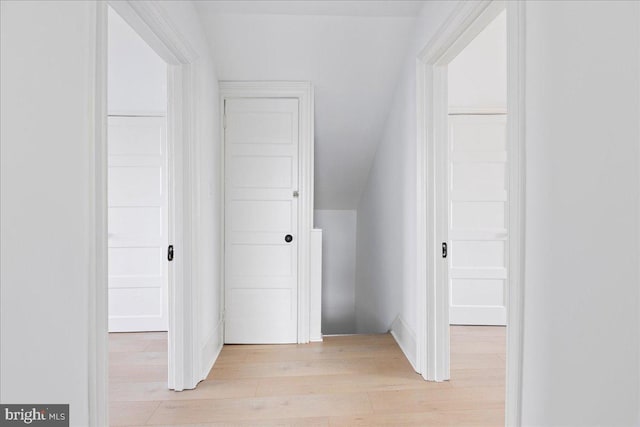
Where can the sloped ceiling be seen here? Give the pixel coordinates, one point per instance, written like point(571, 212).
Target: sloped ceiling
point(350, 50)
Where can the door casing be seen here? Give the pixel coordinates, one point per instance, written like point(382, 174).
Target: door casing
point(303, 91)
point(432, 352)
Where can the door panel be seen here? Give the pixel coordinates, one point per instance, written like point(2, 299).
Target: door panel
point(138, 224)
point(134, 184)
point(261, 175)
point(477, 253)
point(261, 172)
point(256, 215)
point(487, 292)
point(477, 212)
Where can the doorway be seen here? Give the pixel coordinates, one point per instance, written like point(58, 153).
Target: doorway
point(268, 169)
point(138, 202)
point(139, 220)
point(477, 189)
point(487, 253)
point(476, 209)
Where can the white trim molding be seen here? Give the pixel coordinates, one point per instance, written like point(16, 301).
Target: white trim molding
point(98, 284)
point(210, 349)
point(183, 360)
point(405, 338)
point(154, 25)
point(516, 146)
point(315, 285)
point(432, 340)
point(303, 91)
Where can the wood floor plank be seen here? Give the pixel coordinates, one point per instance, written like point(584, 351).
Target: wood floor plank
point(128, 413)
point(157, 345)
point(148, 391)
point(137, 373)
point(478, 418)
point(359, 380)
point(292, 368)
point(287, 422)
point(138, 358)
point(437, 399)
point(476, 360)
point(261, 408)
point(325, 384)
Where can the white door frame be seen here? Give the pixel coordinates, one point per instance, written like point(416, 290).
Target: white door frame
point(151, 22)
point(303, 92)
point(465, 22)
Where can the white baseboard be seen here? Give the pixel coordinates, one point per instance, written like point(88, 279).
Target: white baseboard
point(406, 340)
point(211, 349)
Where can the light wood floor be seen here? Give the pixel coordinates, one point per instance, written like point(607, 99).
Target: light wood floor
point(361, 380)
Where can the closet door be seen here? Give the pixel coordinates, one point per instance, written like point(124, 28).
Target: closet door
point(261, 220)
point(137, 224)
point(477, 219)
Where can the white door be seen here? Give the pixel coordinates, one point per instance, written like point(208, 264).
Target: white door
point(477, 219)
point(138, 224)
point(261, 220)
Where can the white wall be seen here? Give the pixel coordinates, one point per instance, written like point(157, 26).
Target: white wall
point(582, 217)
point(386, 264)
point(582, 329)
point(338, 270)
point(478, 75)
point(352, 61)
point(46, 82)
point(137, 76)
point(45, 90)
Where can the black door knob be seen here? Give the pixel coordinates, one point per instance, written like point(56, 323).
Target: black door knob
point(288, 238)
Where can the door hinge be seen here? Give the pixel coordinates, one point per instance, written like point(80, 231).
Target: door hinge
point(444, 250)
point(170, 253)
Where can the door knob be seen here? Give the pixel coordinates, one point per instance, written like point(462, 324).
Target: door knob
point(288, 238)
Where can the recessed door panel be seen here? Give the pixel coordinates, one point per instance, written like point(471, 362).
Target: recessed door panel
point(142, 224)
point(245, 126)
point(260, 172)
point(261, 215)
point(478, 176)
point(477, 292)
point(131, 137)
point(130, 302)
point(256, 260)
point(472, 133)
point(131, 261)
point(477, 215)
point(135, 185)
point(477, 254)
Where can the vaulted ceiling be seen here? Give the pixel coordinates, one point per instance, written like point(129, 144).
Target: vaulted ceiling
point(350, 50)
